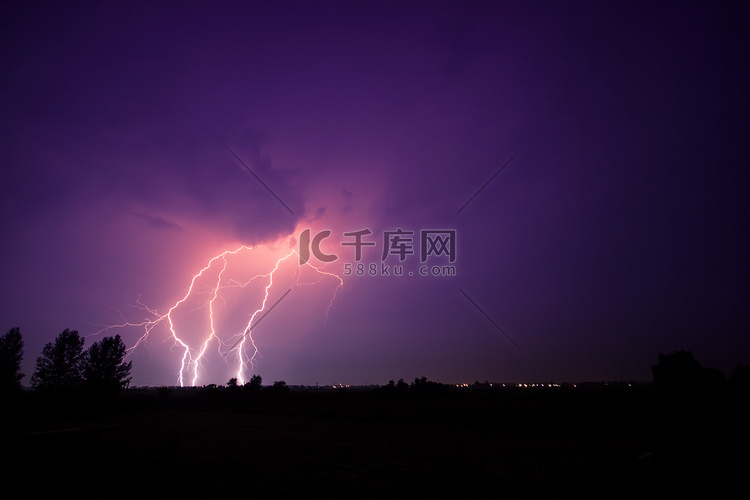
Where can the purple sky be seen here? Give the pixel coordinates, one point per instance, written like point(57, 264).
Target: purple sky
point(619, 230)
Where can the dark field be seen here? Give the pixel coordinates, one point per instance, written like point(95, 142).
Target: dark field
point(597, 442)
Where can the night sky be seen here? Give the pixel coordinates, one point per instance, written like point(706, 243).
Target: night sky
point(619, 229)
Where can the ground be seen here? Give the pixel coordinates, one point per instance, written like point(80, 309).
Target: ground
point(215, 443)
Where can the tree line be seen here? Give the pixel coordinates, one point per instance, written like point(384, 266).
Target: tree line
point(679, 371)
point(65, 366)
point(255, 385)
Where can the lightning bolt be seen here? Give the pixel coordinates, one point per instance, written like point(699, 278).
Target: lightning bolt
point(243, 351)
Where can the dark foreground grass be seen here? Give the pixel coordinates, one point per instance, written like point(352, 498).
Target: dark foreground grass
point(474, 444)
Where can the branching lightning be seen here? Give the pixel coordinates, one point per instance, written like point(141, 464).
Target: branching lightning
point(237, 347)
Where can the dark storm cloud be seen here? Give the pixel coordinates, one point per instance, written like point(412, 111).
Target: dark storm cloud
point(158, 223)
point(115, 105)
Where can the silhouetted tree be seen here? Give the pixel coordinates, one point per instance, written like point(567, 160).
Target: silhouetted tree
point(424, 386)
point(233, 387)
point(60, 367)
point(255, 384)
point(279, 387)
point(680, 370)
point(393, 389)
point(105, 370)
point(11, 354)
